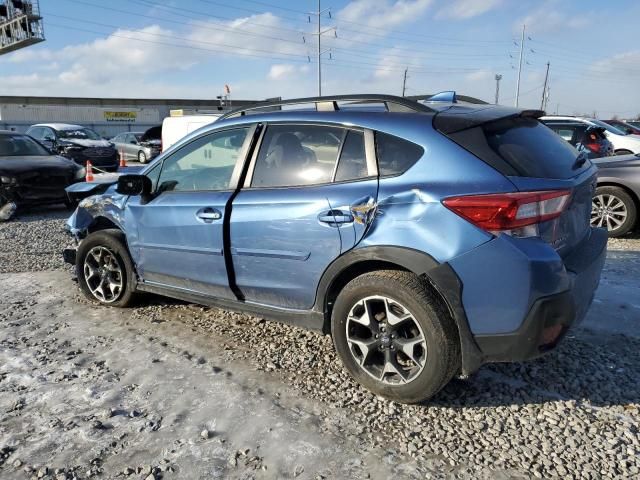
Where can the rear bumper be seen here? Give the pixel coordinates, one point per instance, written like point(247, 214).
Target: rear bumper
point(550, 317)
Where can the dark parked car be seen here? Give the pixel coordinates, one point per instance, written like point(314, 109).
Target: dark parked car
point(624, 126)
point(30, 174)
point(77, 143)
point(138, 146)
point(617, 199)
point(586, 138)
point(427, 239)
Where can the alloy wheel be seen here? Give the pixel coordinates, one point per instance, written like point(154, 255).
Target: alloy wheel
point(103, 274)
point(608, 211)
point(386, 340)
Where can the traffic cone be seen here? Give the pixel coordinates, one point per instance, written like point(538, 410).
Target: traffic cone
point(123, 162)
point(89, 176)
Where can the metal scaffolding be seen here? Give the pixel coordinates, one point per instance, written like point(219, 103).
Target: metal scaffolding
point(20, 24)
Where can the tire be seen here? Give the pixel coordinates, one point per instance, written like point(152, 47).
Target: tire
point(109, 245)
point(613, 208)
point(623, 152)
point(142, 157)
point(437, 357)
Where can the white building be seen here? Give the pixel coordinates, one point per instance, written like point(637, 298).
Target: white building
point(107, 116)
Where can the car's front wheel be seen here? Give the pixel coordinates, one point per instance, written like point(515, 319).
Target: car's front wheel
point(394, 336)
point(142, 157)
point(614, 209)
point(104, 268)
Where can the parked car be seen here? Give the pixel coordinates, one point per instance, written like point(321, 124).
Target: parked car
point(176, 127)
point(136, 146)
point(617, 199)
point(586, 138)
point(30, 174)
point(428, 239)
point(77, 143)
point(623, 144)
point(624, 126)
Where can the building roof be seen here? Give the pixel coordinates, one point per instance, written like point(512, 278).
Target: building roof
point(124, 102)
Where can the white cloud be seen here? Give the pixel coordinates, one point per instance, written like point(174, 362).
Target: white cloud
point(547, 18)
point(383, 14)
point(622, 62)
point(464, 9)
point(479, 76)
point(284, 71)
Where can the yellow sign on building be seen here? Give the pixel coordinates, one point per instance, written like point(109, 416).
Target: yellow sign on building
point(120, 116)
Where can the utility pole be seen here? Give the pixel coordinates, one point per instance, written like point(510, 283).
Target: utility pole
point(520, 65)
point(544, 90)
point(498, 78)
point(319, 33)
point(404, 81)
point(319, 54)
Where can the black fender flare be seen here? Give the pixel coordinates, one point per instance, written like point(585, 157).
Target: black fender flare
point(440, 276)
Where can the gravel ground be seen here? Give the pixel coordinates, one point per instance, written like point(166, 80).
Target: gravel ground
point(33, 240)
point(572, 414)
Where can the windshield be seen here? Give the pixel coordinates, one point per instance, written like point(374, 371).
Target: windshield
point(20, 146)
point(608, 127)
point(138, 136)
point(79, 133)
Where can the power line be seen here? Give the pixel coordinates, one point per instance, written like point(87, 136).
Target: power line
point(241, 47)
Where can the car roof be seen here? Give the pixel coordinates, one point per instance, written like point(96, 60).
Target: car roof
point(58, 126)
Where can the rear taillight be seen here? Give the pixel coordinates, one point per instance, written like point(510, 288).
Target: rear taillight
point(594, 147)
point(517, 214)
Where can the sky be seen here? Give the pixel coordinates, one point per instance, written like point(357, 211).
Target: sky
point(261, 49)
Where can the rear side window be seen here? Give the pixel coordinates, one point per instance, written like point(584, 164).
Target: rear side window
point(353, 160)
point(521, 147)
point(296, 155)
point(395, 155)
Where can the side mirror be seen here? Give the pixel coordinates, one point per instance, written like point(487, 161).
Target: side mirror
point(133, 142)
point(134, 185)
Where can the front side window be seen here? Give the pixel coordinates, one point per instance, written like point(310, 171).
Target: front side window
point(206, 163)
point(295, 155)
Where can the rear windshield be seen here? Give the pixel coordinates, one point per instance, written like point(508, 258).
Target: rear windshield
point(20, 146)
point(522, 147)
point(608, 128)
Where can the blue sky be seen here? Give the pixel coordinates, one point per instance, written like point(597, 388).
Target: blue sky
point(192, 48)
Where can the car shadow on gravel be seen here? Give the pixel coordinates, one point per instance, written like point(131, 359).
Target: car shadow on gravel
point(588, 367)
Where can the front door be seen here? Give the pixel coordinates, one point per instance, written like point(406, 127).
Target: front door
point(295, 215)
point(179, 237)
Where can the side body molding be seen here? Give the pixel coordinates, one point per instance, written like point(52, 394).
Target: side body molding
point(439, 275)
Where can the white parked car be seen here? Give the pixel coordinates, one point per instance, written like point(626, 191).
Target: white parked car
point(623, 144)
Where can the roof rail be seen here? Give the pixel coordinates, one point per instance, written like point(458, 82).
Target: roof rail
point(330, 104)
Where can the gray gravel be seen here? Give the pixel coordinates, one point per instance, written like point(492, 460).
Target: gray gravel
point(33, 240)
point(572, 414)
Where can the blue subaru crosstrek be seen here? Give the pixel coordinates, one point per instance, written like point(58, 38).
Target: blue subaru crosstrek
point(426, 238)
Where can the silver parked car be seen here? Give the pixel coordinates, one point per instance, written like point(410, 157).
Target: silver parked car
point(136, 146)
point(617, 198)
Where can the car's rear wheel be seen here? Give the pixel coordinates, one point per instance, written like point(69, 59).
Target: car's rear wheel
point(394, 336)
point(613, 209)
point(142, 157)
point(104, 268)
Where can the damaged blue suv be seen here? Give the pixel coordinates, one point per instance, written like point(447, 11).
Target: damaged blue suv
point(426, 238)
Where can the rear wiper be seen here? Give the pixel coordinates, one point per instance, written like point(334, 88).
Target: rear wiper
point(580, 161)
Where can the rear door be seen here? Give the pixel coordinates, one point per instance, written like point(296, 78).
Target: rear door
point(306, 200)
point(179, 237)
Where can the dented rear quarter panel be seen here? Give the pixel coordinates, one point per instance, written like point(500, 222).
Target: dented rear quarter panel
point(410, 210)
